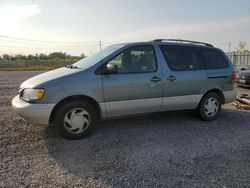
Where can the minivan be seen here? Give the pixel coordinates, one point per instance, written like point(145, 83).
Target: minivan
point(126, 79)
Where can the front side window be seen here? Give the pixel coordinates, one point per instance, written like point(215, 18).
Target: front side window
point(182, 58)
point(138, 59)
point(95, 58)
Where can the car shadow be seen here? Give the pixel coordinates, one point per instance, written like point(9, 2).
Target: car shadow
point(150, 147)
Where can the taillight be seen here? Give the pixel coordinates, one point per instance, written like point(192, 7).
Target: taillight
point(233, 77)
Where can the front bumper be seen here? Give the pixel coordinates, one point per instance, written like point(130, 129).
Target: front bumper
point(243, 82)
point(38, 114)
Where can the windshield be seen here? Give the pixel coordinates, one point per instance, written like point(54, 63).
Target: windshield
point(93, 59)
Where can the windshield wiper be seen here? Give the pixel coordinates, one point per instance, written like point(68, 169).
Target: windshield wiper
point(71, 66)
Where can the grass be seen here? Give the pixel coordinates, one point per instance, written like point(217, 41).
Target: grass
point(30, 67)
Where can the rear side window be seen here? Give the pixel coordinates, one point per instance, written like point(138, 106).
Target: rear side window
point(213, 59)
point(182, 58)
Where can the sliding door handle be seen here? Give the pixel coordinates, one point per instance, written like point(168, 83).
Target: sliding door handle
point(155, 79)
point(171, 78)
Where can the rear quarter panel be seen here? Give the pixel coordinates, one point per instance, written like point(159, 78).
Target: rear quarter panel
point(221, 78)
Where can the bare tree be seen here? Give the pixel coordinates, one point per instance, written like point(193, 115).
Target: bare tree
point(241, 47)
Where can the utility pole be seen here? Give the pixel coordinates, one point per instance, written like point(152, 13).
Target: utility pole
point(229, 47)
point(100, 45)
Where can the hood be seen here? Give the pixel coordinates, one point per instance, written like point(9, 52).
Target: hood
point(48, 76)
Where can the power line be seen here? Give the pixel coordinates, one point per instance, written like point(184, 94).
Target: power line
point(43, 47)
point(11, 46)
point(28, 43)
point(44, 41)
point(31, 50)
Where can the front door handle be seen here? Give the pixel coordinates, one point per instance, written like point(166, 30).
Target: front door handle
point(155, 79)
point(171, 78)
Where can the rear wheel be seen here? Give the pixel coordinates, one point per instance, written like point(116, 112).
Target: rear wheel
point(209, 106)
point(76, 119)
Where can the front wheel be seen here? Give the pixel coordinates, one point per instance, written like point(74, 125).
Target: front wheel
point(209, 106)
point(75, 120)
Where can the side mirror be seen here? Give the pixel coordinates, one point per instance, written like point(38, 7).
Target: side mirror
point(110, 69)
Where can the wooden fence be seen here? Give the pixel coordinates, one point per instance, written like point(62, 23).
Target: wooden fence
point(240, 59)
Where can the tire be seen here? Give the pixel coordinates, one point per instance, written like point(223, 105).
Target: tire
point(209, 106)
point(75, 119)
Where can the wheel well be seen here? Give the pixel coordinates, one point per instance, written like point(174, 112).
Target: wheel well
point(75, 97)
point(218, 92)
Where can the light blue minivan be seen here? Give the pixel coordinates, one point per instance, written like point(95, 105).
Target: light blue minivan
point(126, 79)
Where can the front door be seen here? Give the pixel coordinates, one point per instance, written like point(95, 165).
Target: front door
point(137, 86)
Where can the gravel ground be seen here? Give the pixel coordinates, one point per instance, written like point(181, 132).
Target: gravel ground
point(170, 149)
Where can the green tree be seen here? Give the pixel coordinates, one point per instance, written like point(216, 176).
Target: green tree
point(31, 57)
point(6, 56)
point(20, 57)
point(82, 56)
point(51, 57)
point(57, 55)
point(43, 56)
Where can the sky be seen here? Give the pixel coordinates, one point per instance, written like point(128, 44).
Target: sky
point(77, 26)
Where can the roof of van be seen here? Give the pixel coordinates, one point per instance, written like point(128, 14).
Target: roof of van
point(178, 42)
point(183, 41)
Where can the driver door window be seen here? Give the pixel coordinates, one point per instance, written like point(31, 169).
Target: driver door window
point(135, 60)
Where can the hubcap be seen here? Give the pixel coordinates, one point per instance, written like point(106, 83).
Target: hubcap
point(76, 120)
point(211, 107)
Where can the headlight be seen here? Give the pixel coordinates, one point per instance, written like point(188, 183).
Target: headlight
point(32, 94)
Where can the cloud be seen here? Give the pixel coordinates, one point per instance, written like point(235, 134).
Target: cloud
point(179, 30)
point(10, 15)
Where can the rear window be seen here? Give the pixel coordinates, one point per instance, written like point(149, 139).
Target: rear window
point(213, 59)
point(182, 58)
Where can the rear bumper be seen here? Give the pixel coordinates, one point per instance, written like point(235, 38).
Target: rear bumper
point(38, 114)
point(230, 96)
